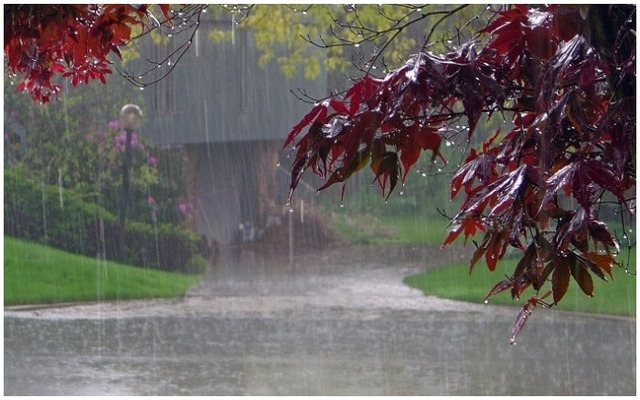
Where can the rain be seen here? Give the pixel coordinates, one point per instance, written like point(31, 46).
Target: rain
point(316, 296)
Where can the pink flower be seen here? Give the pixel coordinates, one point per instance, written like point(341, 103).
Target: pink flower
point(115, 124)
point(121, 139)
point(186, 208)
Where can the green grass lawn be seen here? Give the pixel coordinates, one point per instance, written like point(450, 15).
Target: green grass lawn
point(36, 274)
point(612, 297)
point(454, 282)
point(366, 229)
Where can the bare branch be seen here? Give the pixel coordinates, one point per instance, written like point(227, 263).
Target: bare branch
point(185, 19)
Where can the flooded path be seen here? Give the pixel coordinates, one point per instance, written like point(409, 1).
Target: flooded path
point(337, 323)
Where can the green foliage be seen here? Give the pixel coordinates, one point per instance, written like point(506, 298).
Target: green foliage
point(36, 274)
point(197, 264)
point(70, 143)
point(308, 39)
point(62, 218)
point(165, 246)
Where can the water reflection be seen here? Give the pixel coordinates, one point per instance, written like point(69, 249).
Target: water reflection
point(310, 331)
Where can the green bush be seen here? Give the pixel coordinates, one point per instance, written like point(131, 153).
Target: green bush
point(165, 247)
point(62, 219)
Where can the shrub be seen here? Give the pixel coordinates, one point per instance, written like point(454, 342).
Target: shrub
point(63, 219)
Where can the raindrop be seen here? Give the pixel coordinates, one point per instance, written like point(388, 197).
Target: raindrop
point(486, 302)
point(278, 164)
point(290, 209)
point(141, 88)
point(357, 45)
point(169, 34)
point(341, 205)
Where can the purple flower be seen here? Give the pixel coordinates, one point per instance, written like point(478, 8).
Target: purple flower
point(151, 201)
point(115, 124)
point(120, 140)
point(186, 208)
point(152, 161)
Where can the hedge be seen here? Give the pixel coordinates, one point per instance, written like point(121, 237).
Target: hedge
point(63, 219)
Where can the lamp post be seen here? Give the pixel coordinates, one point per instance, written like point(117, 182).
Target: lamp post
point(130, 120)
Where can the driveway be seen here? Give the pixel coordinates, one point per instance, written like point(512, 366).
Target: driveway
point(337, 322)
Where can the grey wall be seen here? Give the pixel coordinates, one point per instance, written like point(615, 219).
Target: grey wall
point(219, 93)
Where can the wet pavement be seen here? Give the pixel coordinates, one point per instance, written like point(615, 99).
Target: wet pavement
point(338, 322)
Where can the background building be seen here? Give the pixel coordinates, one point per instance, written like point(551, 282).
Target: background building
point(228, 117)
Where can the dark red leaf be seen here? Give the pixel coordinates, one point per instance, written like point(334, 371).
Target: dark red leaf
point(520, 321)
point(604, 175)
point(560, 278)
point(318, 112)
point(557, 181)
point(468, 225)
point(581, 275)
point(166, 12)
point(503, 191)
point(498, 288)
point(411, 144)
point(603, 261)
point(551, 74)
point(600, 233)
point(385, 168)
point(589, 265)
